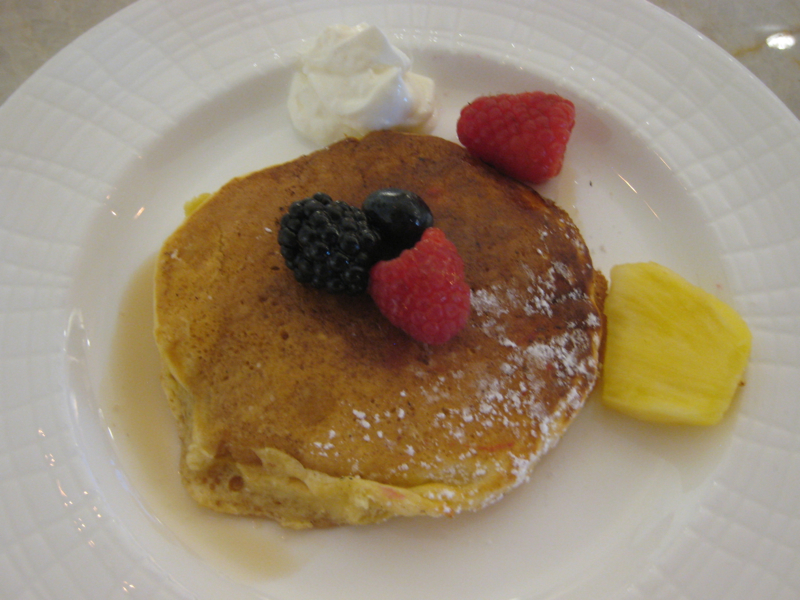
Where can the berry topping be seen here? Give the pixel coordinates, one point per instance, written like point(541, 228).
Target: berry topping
point(423, 291)
point(523, 135)
point(328, 244)
point(399, 216)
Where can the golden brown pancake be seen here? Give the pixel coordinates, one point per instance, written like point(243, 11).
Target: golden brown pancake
point(311, 408)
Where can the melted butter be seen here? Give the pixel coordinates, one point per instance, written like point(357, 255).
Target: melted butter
point(146, 439)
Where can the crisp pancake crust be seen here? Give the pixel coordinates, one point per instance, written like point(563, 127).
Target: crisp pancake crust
point(311, 408)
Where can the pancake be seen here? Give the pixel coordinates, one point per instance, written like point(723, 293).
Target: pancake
point(311, 408)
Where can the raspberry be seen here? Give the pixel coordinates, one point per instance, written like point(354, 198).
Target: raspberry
point(522, 135)
point(423, 291)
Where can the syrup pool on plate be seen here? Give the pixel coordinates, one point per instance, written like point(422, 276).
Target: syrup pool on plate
point(145, 432)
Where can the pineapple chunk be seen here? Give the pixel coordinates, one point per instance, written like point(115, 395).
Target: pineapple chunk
point(674, 353)
point(192, 205)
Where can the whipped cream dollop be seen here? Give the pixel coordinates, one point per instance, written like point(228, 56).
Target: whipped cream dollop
point(353, 81)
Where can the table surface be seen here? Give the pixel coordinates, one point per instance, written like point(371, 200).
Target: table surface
point(759, 33)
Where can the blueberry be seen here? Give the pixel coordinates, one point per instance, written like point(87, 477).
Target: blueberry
point(399, 216)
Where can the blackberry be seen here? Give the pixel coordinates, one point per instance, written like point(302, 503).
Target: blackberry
point(399, 216)
point(328, 244)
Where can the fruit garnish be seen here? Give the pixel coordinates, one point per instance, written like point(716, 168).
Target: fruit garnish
point(328, 244)
point(390, 249)
point(399, 216)
point(674, 352)
point(522, 135)
point(423, 291)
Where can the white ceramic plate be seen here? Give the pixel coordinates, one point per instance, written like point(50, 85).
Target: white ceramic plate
point(679, 156)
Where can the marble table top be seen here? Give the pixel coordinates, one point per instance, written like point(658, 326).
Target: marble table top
point(762, 34)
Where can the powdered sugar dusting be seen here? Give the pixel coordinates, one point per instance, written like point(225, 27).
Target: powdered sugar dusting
point(526, 393)
point(510, 393)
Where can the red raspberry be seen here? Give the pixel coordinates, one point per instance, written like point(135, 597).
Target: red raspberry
point(423, 291)
point(523, 135)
